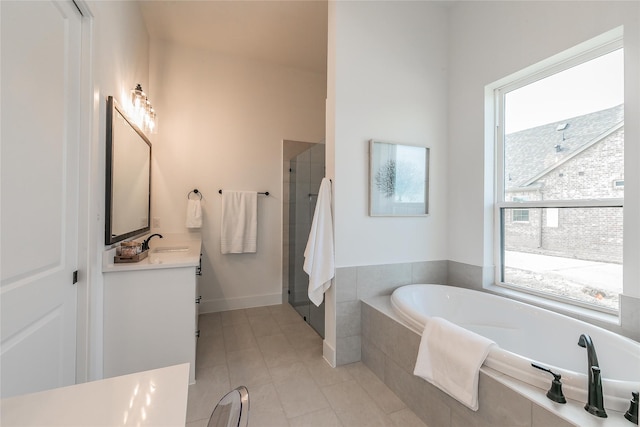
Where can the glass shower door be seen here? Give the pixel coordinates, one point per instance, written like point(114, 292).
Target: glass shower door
point(306, 172)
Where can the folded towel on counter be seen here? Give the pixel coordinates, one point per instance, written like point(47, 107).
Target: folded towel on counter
point(319, 254)
point(450, 358)
point(194, 213)
point(239, 222)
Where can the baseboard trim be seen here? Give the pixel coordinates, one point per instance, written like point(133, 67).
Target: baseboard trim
point(226, 304)
point(329, 353)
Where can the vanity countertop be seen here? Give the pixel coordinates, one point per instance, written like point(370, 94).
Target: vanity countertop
point(149, 398)
point(169, 252)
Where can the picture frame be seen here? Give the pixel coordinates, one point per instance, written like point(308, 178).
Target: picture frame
point(398, 179)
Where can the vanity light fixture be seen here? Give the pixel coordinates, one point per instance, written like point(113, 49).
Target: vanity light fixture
point(142, 111)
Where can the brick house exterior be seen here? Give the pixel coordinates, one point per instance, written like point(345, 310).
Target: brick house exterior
point(579, 158)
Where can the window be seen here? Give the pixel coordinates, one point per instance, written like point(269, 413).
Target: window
point(520, 215)
point(560, 139)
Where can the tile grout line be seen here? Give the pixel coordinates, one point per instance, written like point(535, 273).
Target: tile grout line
point(299, 353)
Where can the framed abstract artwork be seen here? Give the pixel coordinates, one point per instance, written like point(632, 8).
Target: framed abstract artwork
point(398, 179)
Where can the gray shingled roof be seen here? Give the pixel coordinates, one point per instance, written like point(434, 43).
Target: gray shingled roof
point(532, 151)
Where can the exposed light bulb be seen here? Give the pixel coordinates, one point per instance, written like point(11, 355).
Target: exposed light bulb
point(142, 112)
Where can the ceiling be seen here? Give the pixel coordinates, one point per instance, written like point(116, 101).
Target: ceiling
point(290, 33)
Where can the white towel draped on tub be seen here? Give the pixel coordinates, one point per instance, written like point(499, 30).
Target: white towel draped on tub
point(319, 253)
point(194, 213)
point(239, 222)
point(450, 358)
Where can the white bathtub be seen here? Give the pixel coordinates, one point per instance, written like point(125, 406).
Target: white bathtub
point(526, 334)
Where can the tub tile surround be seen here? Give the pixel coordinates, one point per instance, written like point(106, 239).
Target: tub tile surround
point(389, 350)
point(465, 275)
point(630, 316)
point(357, 283)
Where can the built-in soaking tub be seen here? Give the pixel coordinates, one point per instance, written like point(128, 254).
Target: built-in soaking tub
point(525, 334)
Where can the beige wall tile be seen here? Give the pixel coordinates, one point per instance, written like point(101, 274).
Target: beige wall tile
point(543, 418)
point(349, 350)
point(377, 280)
point(346, 284)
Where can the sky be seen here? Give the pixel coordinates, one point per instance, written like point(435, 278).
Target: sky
point(592, 86)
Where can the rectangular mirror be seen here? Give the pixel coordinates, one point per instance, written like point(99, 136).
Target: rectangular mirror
point(398, 179)
point(128, 183)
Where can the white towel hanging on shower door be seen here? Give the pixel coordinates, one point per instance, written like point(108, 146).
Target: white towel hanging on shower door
point(319, 254)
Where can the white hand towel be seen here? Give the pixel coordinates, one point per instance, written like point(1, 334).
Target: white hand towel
point(239, 222)
point(450, 358)
point(194, 213)
point(319, 254)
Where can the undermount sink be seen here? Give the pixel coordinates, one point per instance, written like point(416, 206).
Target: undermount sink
point(169, 249)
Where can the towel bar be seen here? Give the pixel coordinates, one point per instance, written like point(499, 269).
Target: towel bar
point(266, 193)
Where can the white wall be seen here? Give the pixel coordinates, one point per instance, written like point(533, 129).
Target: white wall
point(222, 121)
point(119, 58)
point(489, 41)
point(388, 82)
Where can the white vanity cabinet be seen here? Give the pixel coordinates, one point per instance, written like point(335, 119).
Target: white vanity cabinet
point(150, 316)
point(149, 320)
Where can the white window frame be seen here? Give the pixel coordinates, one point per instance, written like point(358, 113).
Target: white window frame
point(606, 43)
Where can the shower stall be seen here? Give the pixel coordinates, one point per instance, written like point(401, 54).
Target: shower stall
point(306, 168)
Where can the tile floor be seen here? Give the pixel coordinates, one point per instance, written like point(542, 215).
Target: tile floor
point(273, 352)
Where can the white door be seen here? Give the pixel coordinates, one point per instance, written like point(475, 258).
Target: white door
point(40, 80)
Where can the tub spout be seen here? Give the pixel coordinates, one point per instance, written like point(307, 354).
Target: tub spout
point(595, 401)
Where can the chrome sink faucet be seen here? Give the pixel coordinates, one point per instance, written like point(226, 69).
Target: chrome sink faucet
point(145, 244)
point(595, 401)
